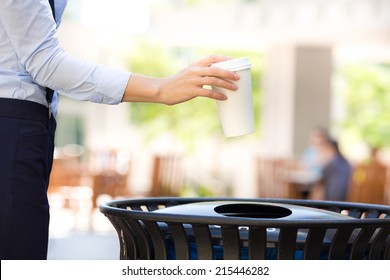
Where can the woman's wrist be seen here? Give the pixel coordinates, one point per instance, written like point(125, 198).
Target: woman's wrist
point(142, 89)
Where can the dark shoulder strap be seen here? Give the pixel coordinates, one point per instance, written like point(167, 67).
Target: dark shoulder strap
point(52, 6)
point(50, 92)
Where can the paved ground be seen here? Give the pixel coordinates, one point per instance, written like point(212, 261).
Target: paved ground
point(84, 246)
point(81, 234)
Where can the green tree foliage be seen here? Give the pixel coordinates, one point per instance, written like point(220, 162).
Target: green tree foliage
point(196, 117)
point(367, 97)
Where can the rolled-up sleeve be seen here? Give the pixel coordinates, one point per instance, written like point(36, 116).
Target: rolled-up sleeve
point(32, 32)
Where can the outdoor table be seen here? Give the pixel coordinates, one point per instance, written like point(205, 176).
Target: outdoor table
point(232, 228)
point(301, 183)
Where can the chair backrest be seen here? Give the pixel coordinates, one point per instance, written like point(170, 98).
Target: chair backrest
point(167, 175)
point(110, 175)
point(272, 177)
point(113, 184)
point(369, 183)
point(65, 172)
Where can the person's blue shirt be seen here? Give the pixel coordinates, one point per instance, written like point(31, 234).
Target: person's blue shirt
point(336, 178)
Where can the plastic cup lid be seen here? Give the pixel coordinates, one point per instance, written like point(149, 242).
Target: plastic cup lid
point(234, 64)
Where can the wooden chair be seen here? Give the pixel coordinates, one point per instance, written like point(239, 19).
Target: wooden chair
point(109, 183)
point(167, 176)
point(387, 188)
point(370, 184)
point(67, 189)
point(272, 178)
point(65, 172)
point(109, 177)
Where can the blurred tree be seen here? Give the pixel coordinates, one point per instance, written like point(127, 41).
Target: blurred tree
point(198, 116)
point(367, 97)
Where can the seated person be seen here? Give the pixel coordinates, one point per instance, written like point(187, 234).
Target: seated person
point(336, 174)
point(311, 160)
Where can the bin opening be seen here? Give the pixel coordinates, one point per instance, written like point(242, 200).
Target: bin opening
point(246, 210)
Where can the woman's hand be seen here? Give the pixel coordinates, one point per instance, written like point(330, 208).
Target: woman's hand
point(185, 85)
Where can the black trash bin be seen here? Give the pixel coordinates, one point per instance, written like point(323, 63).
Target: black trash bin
point(211, 228)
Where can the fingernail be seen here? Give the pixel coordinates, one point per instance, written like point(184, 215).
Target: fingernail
point(236, 76)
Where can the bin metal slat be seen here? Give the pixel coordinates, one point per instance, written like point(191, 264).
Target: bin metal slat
point(126, 239)
point(287, 243)
point(180, 241)
point(257, 243)
point(230, 242)
point(378, 244)
point(203, 240)
point(361, 243)
point(314, 243)
point(142, 240)
point(339, 243)
point(387, 251)
point(159, 244)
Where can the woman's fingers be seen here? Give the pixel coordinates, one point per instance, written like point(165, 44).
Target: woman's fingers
point(212, 94)
point(217, 82)
point(219, 73)
point(205, 62)
point(191, 81)
point(213, 76)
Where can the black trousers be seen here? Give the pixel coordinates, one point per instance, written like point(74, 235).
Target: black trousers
point(26, 157)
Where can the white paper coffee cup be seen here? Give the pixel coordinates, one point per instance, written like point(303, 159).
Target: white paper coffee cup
point(236, 113)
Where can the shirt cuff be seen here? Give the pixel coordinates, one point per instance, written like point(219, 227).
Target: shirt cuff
point(111, 86)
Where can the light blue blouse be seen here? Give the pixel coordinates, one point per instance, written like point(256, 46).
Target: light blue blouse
point(31, 59)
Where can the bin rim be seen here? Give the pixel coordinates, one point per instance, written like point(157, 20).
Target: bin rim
point(117, 208)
